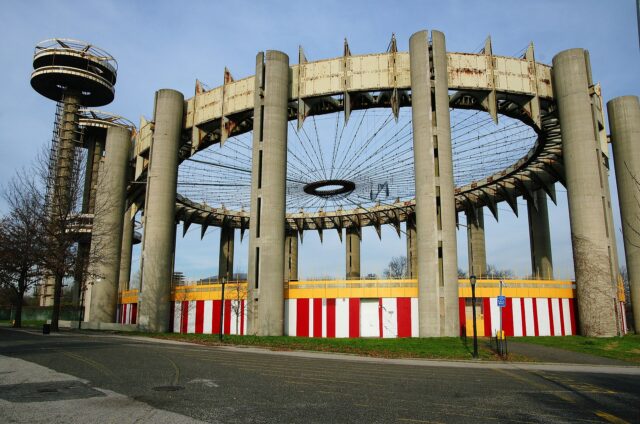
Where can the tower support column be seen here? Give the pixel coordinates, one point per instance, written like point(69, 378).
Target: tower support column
point(225, 262)
point(586, 178)
point(159, 220)
point(106, 234)
point(412, 260)
point(435, 203)
point(291, 256)
point(624, 121)
point(476, 248)
point(352, 248)
point(540, 237)
point(265, 312)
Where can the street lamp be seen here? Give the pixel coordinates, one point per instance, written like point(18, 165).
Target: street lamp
point(472, 280)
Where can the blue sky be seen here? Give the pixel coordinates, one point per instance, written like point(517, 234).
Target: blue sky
point(164, 44)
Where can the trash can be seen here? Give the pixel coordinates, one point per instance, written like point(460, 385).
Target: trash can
point(46, 328)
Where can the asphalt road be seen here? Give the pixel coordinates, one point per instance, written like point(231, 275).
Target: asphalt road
point(251, 386)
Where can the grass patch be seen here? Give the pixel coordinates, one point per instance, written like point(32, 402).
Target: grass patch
point(25, 323)
point(427, 348)
point(625, 348)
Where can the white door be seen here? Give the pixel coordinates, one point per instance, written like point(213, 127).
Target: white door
point(369, 318)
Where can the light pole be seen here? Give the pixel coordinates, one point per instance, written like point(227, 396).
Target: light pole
point(472, 280)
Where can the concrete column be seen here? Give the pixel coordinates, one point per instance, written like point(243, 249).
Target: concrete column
point(225, 262)
point(127, 246)
point(586, 194)
point(269, 167)
point(624, 121)
point(291, 256)
point(539, 237)
point(106, 237)
point(352, 248)
point(159, 214)
point(412, 262)
point(435, 204)
point(476, 244)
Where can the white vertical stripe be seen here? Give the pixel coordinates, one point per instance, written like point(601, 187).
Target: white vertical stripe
point(414, 318)
point(555, 309)
point(191, 317)
point(544, 325)
point(235, 317)
point(290, 308)
point(208, 317)
point(244, 314)
point(495, 316)
point(324, 317)
point(129, 312)
point(517, 316)
point(389, 318)
point(177, 316)
point(342, 317)
point(528, 315)
point(310, 317)
point(566, 315)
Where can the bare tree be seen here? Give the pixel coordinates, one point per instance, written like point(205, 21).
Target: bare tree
point(495, 272)
point(397, 267)
point(21, 252)
point(461, 273)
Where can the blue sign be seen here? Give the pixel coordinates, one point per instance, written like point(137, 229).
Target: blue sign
point(502, 301)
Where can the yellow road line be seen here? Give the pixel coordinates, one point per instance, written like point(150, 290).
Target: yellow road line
point(98, 366)
point(610, 417)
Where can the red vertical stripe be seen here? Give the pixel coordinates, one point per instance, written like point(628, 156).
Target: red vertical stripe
point(404, 316)
point(302, 318)
point(184, 322)
point(551, 325)
point(227, 316)
point(199, 316)
point(215, 317)
point(462, 314)
point(242, 317)
point(486, 305)
point(134, 313)
point(523, 317)
point(354, 317)
point(572, 312)
point(535, 316)
point(380, 326)
point(317, 317)
point(331, 317)
point(172, 313)
point(507, 318)
point(562, 330)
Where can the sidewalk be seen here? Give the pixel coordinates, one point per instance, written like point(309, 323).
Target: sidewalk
point(539, 353)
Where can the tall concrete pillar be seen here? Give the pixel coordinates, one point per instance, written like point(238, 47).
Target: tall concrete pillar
point(476, 247)
point(159, 215)
point(291, 256)
point(352, 249)
point(586, 194)
point(412, 260)
point(127, 247)
point(624, 122)
point(269, 167)
point(540, 237)
point(435, 202)
point(225, 262)
point(106, 234)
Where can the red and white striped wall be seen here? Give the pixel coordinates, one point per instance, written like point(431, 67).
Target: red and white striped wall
point(527, 316)
point(351, 317)
point(127, 313)
point(203, 317)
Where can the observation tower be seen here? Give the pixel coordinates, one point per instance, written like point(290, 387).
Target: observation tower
point(75, 74)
